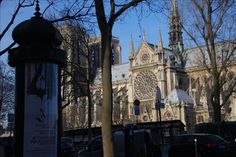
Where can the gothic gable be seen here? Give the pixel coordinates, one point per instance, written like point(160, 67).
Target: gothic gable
point(145, 54)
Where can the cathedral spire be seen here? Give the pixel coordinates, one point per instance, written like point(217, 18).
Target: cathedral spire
point(131, 48)
point(160, 50)
point(175, 28)
point(160, 44)
point(144, 36)
point(175, 8)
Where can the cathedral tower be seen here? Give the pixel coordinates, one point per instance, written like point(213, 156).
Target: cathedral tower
point(175, 28)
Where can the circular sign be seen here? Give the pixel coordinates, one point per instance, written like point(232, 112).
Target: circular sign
point(136, 102)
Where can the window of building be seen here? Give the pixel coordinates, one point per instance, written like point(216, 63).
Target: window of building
point(200, 119)
point(180, 82)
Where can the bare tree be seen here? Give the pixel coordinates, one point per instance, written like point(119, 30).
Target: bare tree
point(6, 91)
point(79, 73)
point(57, 11)
point(120, 103)
point(20, 5)
point(106, 17)
point(212, 30)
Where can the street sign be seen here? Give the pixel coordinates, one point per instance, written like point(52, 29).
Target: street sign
point(136, 102)
point(158, 94)
point(10, 117)
point(136, 107)
point(159, 105)
point(137, 110)
point(10, 120)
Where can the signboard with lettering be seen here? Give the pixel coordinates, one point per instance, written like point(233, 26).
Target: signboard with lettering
point(158, 104)
point(10, 117)
point(158, 94)
point(10, 120)
point(41, 110)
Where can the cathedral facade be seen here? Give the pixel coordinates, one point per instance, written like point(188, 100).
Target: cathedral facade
point(183, 86)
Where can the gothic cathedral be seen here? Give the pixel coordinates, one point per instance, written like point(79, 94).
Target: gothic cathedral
point(154, 67)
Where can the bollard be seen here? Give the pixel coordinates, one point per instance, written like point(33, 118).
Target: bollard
point(195, 147)
point(37, 62)
point(165, 150)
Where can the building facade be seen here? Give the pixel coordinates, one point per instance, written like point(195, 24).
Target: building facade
point(183, 84)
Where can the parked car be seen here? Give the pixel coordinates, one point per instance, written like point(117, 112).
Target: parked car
point(232, 145)
point(6, 147)
point(201, 145)
point(67, 147)
point(94, 147)
point(132, 142)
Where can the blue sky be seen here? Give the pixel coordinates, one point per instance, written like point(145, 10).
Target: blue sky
point(149, 25)
point(123, 28)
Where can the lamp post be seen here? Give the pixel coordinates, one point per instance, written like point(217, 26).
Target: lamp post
point(164, 146)
point(136, 109)
point(159, 105)
point(37, 61)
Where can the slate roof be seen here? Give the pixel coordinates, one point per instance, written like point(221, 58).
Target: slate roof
point(120, 72)
point(195, 57)
point(179, 95)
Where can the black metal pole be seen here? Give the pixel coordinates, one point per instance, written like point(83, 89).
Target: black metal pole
point(60, 125)
point(158, 108)
point(19, 111)
point(159, 112)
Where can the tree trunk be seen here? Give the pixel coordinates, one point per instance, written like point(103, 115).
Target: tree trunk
point(216, 100)
point(108, 150)
point(217, 112)
point(89, 112)
point(105, 26)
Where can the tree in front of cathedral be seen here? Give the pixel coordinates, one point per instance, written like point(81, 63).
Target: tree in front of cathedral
point(212, 30)
point(107, 13)
point(56, 13)
point(78, 10)
point(7, 92)
point(105, 26)
point(120, 108)
point(77, 77)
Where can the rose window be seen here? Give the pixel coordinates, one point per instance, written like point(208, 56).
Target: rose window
point(145, 84)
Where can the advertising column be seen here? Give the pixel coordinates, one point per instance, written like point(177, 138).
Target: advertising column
point(41, 110)
point(38, 61)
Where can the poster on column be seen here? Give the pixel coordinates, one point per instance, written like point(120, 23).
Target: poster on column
point(41, 110)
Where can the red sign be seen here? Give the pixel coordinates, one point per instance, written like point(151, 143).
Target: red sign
point(136, 102)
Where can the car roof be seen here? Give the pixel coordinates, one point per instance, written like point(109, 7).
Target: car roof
point(197, 134)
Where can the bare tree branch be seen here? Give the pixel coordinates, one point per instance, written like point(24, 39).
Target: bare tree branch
point(8, 48)
point(20, 5)
point(47, 8)
point(209, 22)
point(122, 10)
